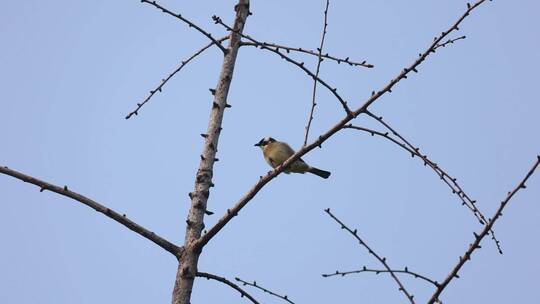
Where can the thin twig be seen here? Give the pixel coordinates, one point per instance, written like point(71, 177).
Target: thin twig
point(319, 61)
point(450, 41)
point(311, 52)
point(165, 80)
point(120, 218)
point(377, 271)
point(223, 280)
point(478, 237)
point(382, 260)
point(218, 20)
point(254, 284)
point(444, 176)
point(189, 23)
point(248, 196)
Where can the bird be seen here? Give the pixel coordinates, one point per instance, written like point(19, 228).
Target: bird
point(276, 152)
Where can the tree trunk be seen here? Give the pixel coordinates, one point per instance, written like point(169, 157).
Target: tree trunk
point(189, 258)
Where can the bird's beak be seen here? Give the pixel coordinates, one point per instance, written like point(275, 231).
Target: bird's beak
point(257, 144)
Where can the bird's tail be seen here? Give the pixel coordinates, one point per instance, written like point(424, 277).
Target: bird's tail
point(319, 172)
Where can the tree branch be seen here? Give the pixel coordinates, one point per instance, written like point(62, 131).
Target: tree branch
point(377, 271)
point(478, 237)
point(189, 23)
point(382, 260)
point(444, 176)
point(164, 81)
point(120, 218)
point(254, 284)
point(448, 179)
point(319, 60)
point(232, 212)
point(289, 49)
point(223, 280)
point(450, 41)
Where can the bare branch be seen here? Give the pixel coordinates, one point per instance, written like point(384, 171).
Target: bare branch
point(254, 284)
point(165, 80)
point(450, 181)
point(319, 60)
point(120, 218)
point(189, 23)
point(382, 260)
point(223, 280)
point(478, 237)
point(232, 212)
point(218, 20)
point(449, 41)
point(289, 49)
point(377, 271)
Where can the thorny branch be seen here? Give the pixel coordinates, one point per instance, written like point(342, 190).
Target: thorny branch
point(382, 260)
point(478, 237)
point(289, 49)
point(218, 20)
point(120, 218)
point(203, 179)
point(254, 284)
point(189, 23)
point(223, 280)
point(319, 61)
point(377, 271)
point(165, 80)
point(244, 200)
point(450, 181)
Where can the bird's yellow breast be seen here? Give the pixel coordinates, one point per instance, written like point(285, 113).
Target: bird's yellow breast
point(275, 153)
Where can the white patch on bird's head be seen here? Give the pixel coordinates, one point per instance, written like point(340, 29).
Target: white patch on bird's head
point(265, 141)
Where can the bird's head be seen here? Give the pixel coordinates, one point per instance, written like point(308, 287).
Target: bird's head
point(265, 141)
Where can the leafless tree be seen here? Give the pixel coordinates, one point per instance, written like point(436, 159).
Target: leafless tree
point(196, 237)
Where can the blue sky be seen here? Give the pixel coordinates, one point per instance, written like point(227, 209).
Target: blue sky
point(71, 70)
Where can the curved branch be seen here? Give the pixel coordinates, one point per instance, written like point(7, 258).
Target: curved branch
point(478, 237)
point(120, 218)
point(164, 81)
point(223, 280)
point(450, 181)
point(254, 284)
point(189, 23)
point(377, 271)
point(382, 260)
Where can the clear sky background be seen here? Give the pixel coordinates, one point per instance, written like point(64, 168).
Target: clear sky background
point(71, 70)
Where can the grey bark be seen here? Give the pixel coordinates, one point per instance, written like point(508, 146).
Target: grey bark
point(187, 268)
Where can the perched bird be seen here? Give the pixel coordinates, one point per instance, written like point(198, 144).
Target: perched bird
point(276, 152)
